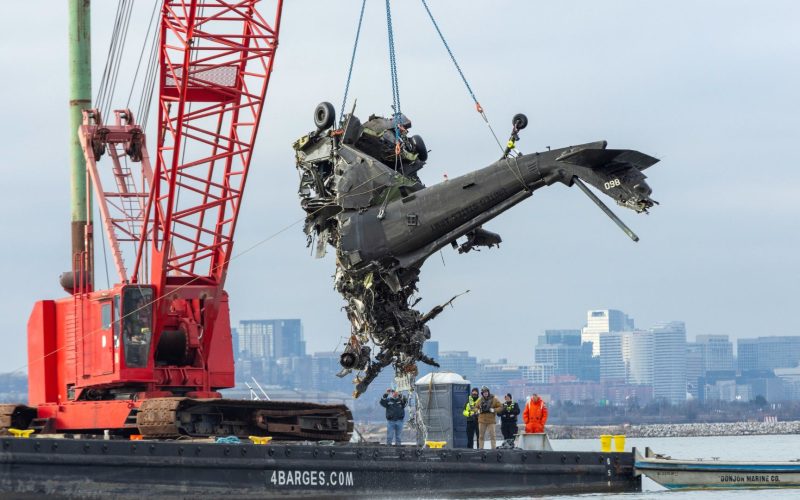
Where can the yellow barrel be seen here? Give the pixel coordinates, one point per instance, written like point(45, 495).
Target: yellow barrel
point(605, 443)
point(619, 443)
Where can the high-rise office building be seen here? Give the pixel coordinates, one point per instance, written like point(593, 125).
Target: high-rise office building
point(768, 353)
point(275, 351)
point(778, 352)
point(627, 357)
point(235, 342)
point(708, 354)
point(590, 369)
point(564, 358)
point(639, 353)
point(603, 321)
point(253, 339)
point(791, 380)
point(717, 352)
point(538, 373)
point(324, 367)
point(288, 338)
point(563, 337)
point(669, 361)
point(612, 357)
point(695, 369)
point(747, 354)
point(563, 350)
point(654, 357)
point(459, 362)
point(271, 338)
point(496, 375)
point(292, 372)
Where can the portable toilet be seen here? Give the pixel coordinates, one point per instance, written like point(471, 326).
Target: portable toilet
point(441, 398)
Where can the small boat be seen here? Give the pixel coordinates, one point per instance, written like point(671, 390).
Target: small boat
point(717, 474)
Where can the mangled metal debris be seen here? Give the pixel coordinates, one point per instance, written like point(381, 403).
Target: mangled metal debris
point(360, 188)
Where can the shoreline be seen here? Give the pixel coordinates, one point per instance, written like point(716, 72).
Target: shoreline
point(377, 432)
point(674, 430)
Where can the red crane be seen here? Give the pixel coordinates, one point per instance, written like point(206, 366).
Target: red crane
point(149, 354)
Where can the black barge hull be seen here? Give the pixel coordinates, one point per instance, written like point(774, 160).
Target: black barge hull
point(179, 469)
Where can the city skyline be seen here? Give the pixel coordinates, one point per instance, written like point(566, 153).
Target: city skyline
point(640, 365)
point(710, 100)
point(656, 363)
point(518, 355)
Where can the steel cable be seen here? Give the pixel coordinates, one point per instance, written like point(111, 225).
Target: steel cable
point(478, 106)
point(145, 102)
point(103, 87)
point(141, 54)
point(193, 280)
point(393, 71)
point(118, 60)
point(116, 50)
point(352, 59)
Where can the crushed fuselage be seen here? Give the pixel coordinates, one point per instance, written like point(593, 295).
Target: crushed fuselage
point(361, 193)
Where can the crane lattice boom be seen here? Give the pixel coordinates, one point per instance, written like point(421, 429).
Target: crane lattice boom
point(216, 60)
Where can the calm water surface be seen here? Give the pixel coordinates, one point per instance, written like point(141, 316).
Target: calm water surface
point(778, 448)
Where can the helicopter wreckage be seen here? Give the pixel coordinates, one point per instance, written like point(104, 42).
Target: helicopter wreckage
point(360, 189)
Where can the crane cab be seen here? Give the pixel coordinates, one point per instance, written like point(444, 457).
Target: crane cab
point(93, 346)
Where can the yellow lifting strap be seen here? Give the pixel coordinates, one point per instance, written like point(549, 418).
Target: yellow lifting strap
point(20, 433)
point(260, 439)
point(435, 444)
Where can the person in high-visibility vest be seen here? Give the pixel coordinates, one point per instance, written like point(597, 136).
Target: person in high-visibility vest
point(471, 414)
point(535, 414)
point(508, 418)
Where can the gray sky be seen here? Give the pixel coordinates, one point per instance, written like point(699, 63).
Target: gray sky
point(710, 88)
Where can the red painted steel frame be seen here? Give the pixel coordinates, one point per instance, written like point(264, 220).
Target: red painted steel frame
point(216, 60)
point(122, 209)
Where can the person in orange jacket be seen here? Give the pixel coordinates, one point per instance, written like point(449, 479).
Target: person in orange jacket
point(535, 414)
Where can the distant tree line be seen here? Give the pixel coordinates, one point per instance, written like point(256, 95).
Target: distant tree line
point(13, 388)
point(660, 411)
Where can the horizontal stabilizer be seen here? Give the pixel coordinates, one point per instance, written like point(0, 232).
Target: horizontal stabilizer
point(610, 158)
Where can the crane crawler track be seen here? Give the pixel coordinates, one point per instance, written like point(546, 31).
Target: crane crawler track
point(282, 420)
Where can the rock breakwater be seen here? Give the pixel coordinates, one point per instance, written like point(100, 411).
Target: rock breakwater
point(675, 430)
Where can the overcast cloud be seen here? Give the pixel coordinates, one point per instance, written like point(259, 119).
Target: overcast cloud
point(710, 88)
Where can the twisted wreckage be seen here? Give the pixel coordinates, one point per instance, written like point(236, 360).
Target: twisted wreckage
point(360, 188)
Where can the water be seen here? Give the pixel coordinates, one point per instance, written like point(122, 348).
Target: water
point(774, 448)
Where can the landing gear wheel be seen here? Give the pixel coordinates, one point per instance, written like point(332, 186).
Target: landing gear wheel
point(324, 115)
point(419, 147)
point(520, 121)
point(348, 360)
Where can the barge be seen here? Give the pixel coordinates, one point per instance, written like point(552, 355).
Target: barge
point(97, 468)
